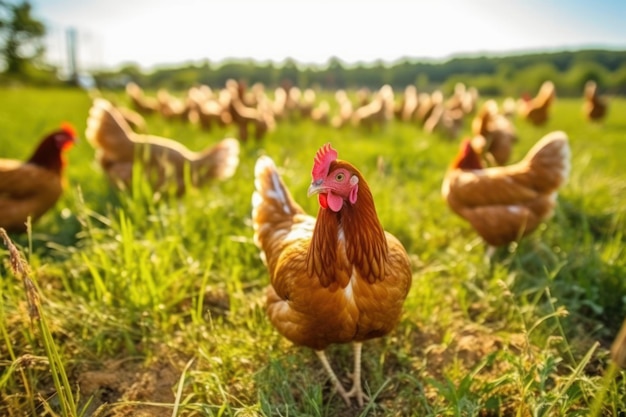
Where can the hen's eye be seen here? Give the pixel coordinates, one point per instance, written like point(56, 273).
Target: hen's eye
point(339, 177)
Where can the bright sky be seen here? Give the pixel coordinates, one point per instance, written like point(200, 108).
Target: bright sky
point(164, 32)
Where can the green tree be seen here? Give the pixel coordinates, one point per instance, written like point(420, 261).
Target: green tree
point(288, 72)
point(583, 71)
point(529, 79)
point(20, 36)
point(618, 81)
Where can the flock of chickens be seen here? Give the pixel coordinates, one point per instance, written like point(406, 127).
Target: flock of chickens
point(338, 277)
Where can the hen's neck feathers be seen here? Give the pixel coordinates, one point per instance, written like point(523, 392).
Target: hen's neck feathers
point(350, 238)
point(48, 155)
point(466, 159)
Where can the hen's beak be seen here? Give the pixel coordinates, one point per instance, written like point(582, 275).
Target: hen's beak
point(315, 188)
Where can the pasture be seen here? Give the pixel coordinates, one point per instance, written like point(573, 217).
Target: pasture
point(155, 306)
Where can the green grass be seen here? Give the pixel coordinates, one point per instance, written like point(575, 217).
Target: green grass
point(157, 307)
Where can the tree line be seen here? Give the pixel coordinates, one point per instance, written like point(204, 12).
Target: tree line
point(491, 75)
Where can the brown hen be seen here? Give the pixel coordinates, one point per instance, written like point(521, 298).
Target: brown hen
point(494, 134)
point(31, 188)
point(595, 106)
point(506, 203)
point(339, 278)
point(164, 161)
point(142, 103)
point(536, 110)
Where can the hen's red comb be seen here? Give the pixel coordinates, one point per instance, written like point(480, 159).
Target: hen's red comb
point(68, 128)
point(324, 156)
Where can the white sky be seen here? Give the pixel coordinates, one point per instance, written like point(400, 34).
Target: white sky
point(162, 32)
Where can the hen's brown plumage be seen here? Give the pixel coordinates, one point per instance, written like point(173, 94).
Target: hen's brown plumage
point(536, 110)
point(336, 279)
point(31, 188)
point(163, 160)
point(142, 103)
point(494, 134)
point(505, 203)
point(595, 106)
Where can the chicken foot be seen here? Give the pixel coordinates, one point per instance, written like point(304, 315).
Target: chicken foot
point(356, 391)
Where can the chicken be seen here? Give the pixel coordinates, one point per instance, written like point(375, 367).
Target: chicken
point(506, 203)
point(595, 107)
point(536, 109)
point(142, 103)
point(363, 96)
point(307, 103)
point(377, 112)
point(463, 99)
point(345, 110)
point(172, 107)
point(134, 119)
point(164, 160)
point(321, 113)
point(449, 122)
point(494, 134)
point(509, 106)
point(406, 108)
point(279, 103)
point(31, 188)
point(339, 278)
point(207, 108)
point(427, 104)
point(244, 115)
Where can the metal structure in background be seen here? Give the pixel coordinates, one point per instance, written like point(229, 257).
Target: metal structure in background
point(72, 40)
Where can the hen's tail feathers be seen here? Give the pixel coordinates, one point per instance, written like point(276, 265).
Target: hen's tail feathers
point(272, 203)
point(546, 95)
point(225, 155)
point(107, 129)
point(550, 159)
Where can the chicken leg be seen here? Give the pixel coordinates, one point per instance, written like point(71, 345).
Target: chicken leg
point(356, 390)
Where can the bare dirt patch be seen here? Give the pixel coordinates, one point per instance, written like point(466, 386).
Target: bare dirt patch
point(127, 387)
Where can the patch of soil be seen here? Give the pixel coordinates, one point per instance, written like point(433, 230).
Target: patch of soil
point(121, 385)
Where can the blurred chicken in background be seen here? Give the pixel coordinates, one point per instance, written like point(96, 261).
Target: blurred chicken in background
point(595, 106)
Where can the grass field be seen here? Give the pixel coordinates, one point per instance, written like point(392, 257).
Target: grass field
point(155, 308)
